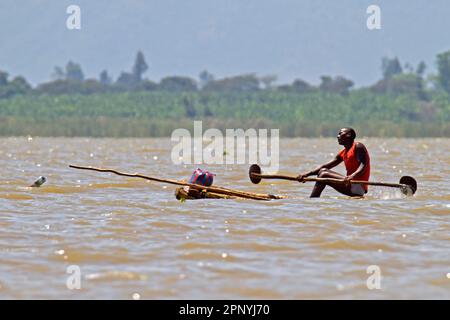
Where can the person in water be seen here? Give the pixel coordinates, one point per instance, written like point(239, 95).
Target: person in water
point(357, 163)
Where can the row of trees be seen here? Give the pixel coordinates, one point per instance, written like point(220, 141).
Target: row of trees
point(16, 86)
point(396, 80)
point(157, 113)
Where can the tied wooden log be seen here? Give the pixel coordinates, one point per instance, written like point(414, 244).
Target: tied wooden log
point(194, 194)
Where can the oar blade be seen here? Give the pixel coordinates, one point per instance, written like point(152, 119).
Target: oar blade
point(254, 169)
point(410, 182)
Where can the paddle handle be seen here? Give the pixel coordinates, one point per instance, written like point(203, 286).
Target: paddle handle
point(274, 176)
point(326, 180)
point(368, 183)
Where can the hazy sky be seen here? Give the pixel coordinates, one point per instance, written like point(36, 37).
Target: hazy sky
point(290, 38)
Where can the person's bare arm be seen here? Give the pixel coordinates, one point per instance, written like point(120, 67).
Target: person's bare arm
point(331, 164)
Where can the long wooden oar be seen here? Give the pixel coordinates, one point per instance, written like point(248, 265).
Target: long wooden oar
point(407, 184)
point(226, 191)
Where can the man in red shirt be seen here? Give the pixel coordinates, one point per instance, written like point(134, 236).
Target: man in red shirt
point(357, 163)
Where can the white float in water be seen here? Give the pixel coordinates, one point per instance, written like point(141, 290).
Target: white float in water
point(39, 182)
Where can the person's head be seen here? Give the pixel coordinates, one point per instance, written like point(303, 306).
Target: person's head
point(346, 136)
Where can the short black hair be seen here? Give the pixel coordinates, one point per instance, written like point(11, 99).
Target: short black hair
point(352, 132)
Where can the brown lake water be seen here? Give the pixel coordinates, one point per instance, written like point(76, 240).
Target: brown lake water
point(132, 238)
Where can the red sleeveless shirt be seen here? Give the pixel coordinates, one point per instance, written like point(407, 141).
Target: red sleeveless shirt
point(352, 163)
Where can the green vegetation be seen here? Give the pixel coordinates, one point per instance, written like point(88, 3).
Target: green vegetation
point(403, 103)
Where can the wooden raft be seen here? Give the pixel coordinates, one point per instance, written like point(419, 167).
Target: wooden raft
point(192, 191)
point(201, 192)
